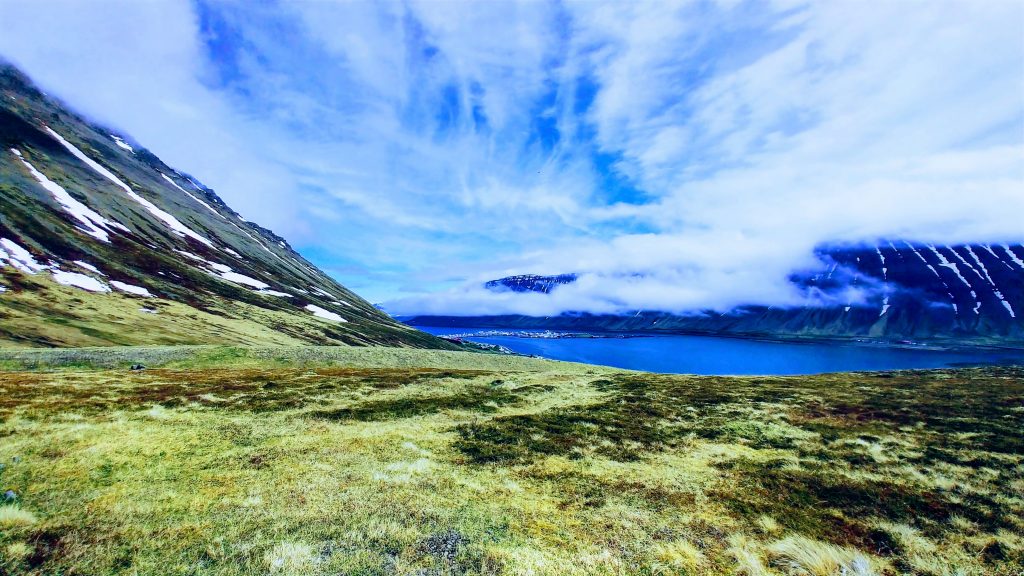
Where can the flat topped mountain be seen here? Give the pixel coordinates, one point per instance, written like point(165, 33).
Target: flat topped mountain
point(102, 243)
point(969, 293)
point(530, 283)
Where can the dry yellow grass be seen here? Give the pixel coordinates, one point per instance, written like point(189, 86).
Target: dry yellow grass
point(13, 516)
point(327, 461)
point(801, 556)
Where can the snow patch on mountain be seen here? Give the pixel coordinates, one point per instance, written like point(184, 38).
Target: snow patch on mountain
point(944, 262)
point(225, 272)
point(20, 258)
point(996, 256)
point(215, 265)
point(131, 289)
point(89, 267)
point(173, 223)
point(1006, 305)
point(965, 262)
point(92, 221)
point(258, 242)
point(192, 196)
point(322, 292)
point(79, 281)
point(237, 278)
point(188, 254)
point(121, 143)
point(222, 268)
point(980, 265)
point(1013, 256)
point(325, 314)
point(275, 293)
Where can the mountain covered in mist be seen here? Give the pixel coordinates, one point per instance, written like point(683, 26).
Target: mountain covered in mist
point(102, 243)
point(897, 291)
point(530, 283)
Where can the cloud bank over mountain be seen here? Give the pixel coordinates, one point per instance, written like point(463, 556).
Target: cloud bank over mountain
point(677, 156)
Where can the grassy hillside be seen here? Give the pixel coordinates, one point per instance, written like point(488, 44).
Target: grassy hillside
point(40, 312)
point(146, 254)
point(385, 461)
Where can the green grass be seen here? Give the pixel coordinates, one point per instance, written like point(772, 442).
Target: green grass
point(233, 461)
point(37, 312)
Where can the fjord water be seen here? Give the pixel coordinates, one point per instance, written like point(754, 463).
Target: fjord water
point(686, 354)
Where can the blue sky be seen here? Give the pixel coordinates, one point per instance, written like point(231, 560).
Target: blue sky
point(680, 156)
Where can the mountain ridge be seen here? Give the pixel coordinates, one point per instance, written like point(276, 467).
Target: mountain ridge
point(969, 293)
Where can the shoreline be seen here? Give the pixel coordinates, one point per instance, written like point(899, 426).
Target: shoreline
point(542, 333)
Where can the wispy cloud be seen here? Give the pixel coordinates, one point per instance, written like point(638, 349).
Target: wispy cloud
point(679, 156)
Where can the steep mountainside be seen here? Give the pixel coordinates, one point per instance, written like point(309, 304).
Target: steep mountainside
point(102, 243)
point(914, 292)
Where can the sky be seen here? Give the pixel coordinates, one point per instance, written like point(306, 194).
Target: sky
point(678, 156)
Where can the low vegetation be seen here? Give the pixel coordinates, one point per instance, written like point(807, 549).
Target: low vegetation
point(369, 461)
point(37, 312)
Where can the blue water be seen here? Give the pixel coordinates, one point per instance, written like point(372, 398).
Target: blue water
point(713, 355)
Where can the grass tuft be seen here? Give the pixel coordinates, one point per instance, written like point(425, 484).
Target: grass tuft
point(13, 516)
point(291, 558)
point(678, 556)
point(801, 556)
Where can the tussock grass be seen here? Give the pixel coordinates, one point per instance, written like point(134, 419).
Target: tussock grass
point(291, 558)
point(677, 556)
point(802, 556)
point(236, 461)
point(12, 516)
point(746, 555)
point(17, 551)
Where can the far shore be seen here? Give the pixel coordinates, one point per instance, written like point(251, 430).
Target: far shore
point(938, 345)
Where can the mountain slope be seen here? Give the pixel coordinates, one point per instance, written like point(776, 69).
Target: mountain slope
point(969, 293)
point(102, 243)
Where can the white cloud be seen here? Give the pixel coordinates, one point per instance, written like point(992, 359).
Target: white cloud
point(409, 139)
point(137, 67)
point(901, 121)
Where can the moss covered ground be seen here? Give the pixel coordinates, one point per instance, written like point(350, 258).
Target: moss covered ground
point(218, 460)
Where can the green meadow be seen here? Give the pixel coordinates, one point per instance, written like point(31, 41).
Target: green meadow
point(375, 461)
